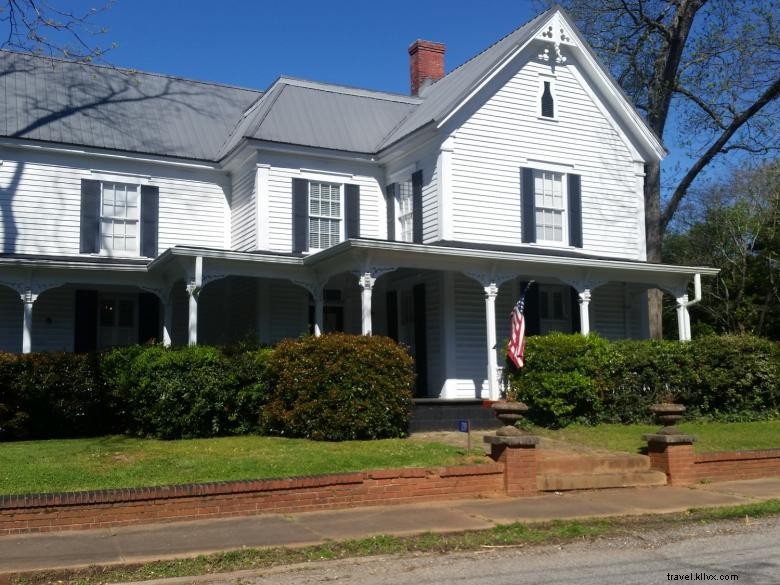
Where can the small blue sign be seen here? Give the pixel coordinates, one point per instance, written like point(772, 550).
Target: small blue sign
point(463, 426)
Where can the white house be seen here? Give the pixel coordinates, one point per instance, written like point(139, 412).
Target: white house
point(138, 206)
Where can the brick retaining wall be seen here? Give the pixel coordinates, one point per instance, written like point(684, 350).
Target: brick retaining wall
point(737, 465)
point(122, 507)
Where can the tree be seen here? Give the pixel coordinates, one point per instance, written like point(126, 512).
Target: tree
point(710, 67)
point(737, 229)
point(40, 26)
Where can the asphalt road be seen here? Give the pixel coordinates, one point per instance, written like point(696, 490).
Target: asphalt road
point(704, 553)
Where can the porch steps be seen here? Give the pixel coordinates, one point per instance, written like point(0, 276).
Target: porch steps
point(568, 471)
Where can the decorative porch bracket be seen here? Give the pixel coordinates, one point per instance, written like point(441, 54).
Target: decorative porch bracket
point(584, 288)
point(29, 293)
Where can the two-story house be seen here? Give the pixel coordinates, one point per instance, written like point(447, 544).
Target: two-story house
point(138, 206)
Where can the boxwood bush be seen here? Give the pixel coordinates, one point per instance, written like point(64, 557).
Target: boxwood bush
point(338, 387)
point(570, 378)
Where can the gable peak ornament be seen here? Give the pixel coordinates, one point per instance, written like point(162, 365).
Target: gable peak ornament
point(549, 35)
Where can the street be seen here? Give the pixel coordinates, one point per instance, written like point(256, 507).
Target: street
point(749, 550)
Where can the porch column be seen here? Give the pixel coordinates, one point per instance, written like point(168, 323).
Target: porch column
point(319, 313)
point(193, 292)
point(491, 292)
point(366, 282)
point(584, 300)
point(167, 308)
point(194, 286)
point(28, 300)
point(683, 319)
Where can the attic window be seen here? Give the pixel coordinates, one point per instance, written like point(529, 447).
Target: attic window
point(547, 102)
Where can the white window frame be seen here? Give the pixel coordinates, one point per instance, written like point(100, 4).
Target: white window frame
point(564, 209)
point(311, 216)
point(551, 79)
point(399, 217)
point(135, 252)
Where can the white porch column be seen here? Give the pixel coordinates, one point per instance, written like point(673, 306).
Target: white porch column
point(584, 300)
point(366, 282)
point(194, 286)
point(28, 300)
point(491, 292)
point(167, 308)
point(319, 313)
point(683, 319)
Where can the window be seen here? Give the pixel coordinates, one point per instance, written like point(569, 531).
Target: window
point(547, 102)
point(554, 309)
point(324, 215)
point(119, 213)
point(405, 209)
point(549, 203)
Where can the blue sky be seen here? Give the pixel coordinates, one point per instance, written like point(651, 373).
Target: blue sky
point(247, 43)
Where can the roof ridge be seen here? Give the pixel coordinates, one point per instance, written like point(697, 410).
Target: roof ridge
point(349, 90)
point(132, 71)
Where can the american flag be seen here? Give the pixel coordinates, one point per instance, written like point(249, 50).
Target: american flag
point(516, 347)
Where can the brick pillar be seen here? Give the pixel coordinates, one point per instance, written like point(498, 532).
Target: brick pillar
point(673, 454)
point(518, 454)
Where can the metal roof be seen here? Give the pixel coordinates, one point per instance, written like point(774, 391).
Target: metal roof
point(59, 101)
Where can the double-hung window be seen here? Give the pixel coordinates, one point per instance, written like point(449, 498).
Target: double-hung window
point(549, 200)
point(120, 205)
point(405, 212)
point(325, 215)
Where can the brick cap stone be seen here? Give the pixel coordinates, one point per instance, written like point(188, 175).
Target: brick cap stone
point(521, 441)
point(669, 439)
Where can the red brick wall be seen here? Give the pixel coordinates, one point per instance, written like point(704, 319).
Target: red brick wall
point(121, 507)
point(737, 465)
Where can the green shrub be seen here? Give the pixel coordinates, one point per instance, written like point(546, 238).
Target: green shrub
point(564, 378)
point(49, 395)
point(339, 387)
point(569, 378)
point(187, 392)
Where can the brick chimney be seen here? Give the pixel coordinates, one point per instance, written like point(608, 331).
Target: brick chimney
point(426, 63)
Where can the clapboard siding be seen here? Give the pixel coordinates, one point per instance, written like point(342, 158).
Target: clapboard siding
point(10, 320)
point(243, 209)
point(616, 310)
point(281, 174)
point(40, 202)
point(433, 333)
point(499, 137)
point(289, 310)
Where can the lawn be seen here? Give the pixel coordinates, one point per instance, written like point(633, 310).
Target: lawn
point(710, 436)
point(116, 461)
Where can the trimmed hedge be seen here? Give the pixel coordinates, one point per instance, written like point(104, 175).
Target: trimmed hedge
point(339, 387)
point(571, 378)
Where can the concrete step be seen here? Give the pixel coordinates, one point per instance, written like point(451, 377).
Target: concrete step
point(556, 463)
point(559, 482)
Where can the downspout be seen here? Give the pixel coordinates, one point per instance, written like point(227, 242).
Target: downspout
point(686, 305)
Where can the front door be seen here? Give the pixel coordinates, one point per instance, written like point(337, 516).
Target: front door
point(117, 320)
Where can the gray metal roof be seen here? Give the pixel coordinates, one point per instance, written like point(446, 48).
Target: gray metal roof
point(323, 115)
point(59, 101)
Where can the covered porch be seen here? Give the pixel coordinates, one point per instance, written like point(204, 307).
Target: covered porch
point(449, 304)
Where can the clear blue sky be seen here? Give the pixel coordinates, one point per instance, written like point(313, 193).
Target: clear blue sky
point(351, 42)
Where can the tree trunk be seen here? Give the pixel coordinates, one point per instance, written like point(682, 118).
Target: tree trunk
point(653, 241)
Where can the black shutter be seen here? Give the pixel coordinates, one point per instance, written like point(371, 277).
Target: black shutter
point(352, 210)
point(532, 309)
point(391, 300)
point(528, 218)
point(148, 317)
point(420, 340)
point(390, 194)
point(575, 211)
point(300, 219)
point(90, 216)
point(575, 310)
point(417, 208)
point(86, 321)
point(150, 212)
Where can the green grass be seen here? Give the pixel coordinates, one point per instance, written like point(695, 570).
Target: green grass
point(710, 436)
point(112, 462)
point(516, 534)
